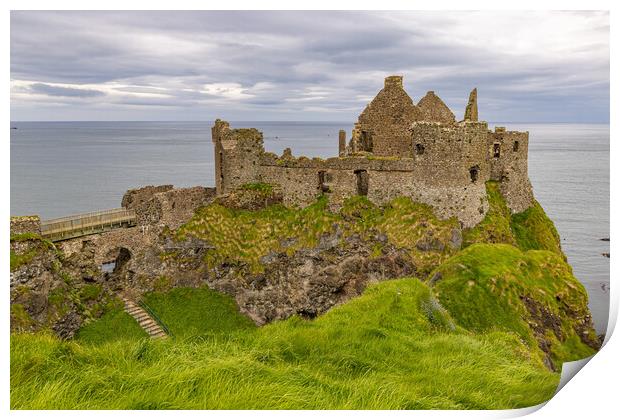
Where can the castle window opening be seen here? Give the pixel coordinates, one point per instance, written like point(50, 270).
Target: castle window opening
point(473, 173)
point(515, 146)
point(108, 267)
point(322, 179)
point(419, 149)
point(362, 181)
point(496, 150)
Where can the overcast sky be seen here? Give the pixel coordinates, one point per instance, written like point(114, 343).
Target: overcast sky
point(527, 66)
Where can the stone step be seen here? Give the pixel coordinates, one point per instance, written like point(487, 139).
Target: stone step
point(154, 331)
point(142, 317)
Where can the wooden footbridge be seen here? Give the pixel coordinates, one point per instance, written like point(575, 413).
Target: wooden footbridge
point(87, 224)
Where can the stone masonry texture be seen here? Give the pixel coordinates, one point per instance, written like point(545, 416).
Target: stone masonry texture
point(397, 148)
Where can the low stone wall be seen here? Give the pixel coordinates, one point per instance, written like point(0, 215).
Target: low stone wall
point(166, 205)
point(155, 207)
point(25, 224)
point(137, 199)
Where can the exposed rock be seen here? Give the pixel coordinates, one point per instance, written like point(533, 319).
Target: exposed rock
point(68, 325)
point(25, 224)
point(456, 239)
point(312, 280)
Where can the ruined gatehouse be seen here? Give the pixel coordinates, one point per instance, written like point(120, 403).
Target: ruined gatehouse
point(396, 148)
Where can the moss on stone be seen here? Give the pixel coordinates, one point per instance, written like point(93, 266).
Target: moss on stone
point(489, 287)
point(261, 187)
point(495, 227)
point(37, 245)
point(90, 292)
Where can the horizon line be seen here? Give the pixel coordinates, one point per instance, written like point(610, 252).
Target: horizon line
point(281, 121)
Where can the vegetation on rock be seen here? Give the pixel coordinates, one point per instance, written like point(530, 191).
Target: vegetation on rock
point(530, 229)
point(533, 229)
point(490, 287)
point(498, 313)
point(243, 237)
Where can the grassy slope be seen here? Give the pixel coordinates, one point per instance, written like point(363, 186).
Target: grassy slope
point(530, 229)
point(496, 276)
point(495, 227)
point(191, 312)
point(114, 325)
point(393, 347)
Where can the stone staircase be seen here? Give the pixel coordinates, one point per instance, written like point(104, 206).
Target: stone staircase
point(148, 324)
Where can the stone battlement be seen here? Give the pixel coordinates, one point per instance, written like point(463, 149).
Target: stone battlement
point(397, 148)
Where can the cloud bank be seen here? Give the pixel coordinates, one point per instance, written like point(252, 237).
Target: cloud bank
point(262, 65)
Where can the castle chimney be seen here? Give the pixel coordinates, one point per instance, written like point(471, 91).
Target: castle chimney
point(471, 111)
point(393, 81)
point(342, 142)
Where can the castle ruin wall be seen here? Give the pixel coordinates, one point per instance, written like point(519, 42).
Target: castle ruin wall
point(394, 151)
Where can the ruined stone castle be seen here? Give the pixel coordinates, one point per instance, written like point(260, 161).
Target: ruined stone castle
point(396, 148)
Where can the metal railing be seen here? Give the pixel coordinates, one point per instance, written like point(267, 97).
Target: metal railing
point(87, 223)
point(153, 315)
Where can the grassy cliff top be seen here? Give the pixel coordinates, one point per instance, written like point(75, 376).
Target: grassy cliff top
point(394, 347)
point(242, 237)
point(481, 332)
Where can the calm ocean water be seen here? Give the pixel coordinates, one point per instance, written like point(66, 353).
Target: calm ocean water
point(61, 168)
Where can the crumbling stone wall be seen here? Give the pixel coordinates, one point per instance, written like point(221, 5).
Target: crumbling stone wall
point(508, 151)
point(166, 205)
point(25, 224)
point(156, 207)
point(396, 149)
point(434, 109)
point(383, 127)
point(236, 155)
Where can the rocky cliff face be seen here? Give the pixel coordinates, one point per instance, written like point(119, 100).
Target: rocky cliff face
point(277, 261)
point(52, 291)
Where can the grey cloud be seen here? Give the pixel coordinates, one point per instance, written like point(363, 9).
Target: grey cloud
point(64, 91)
point(347, 53)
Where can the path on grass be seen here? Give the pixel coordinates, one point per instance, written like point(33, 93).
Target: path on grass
point(148, 324)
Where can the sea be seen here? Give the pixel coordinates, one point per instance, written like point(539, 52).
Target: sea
point(64, 168)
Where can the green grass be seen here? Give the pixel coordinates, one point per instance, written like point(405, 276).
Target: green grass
point(463, 343)
point(495, 227)
point(39, 245)
point(530, 229)
point(484, 285)
point(534, 230)
point(242, 237)
point(393, 347)
point(115, 325)
point(191, 312)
